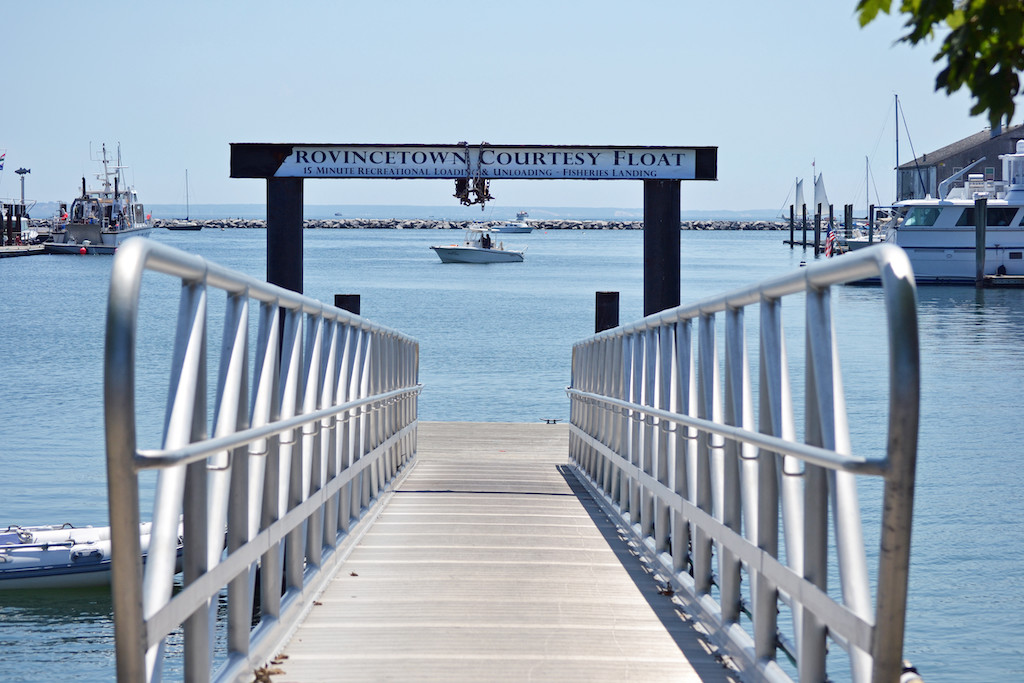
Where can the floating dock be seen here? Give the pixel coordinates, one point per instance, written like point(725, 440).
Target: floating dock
point(21, 250)
point(492, 562)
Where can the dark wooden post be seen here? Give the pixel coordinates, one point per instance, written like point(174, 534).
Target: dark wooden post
point(817, 231)
point(847, 220)
point(606, 311)
point(284, 232)
point(871, 224)
point(980, 221)
point(661, 245)
point(803, 239)
point(792, 221)
point(347, 302)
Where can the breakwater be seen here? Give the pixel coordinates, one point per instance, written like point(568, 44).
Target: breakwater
point(431, 224)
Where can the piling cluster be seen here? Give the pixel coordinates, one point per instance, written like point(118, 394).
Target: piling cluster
point(431, 224)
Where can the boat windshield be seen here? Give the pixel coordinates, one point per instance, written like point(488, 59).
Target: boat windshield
point(921, 216)
point(85, 210)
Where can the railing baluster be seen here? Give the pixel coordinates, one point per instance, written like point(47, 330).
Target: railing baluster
point(707, 383)
point(683, 403)
point(733, 413)
point(772, 359)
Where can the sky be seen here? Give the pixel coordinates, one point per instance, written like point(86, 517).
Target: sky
point(784, 90)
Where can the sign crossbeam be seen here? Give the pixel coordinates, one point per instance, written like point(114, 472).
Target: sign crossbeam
point(485, 161)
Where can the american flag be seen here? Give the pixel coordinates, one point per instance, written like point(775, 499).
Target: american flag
point(2, 160)
point(830, 241)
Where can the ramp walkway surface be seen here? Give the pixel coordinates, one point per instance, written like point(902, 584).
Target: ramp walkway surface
point(491, 562)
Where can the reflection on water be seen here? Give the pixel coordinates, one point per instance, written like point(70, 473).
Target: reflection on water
point(48, 635)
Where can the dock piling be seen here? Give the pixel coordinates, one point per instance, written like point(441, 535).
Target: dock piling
point(347, 302)
point(980, 220)
point(606, 311)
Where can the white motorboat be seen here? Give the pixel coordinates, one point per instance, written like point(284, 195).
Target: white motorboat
point(477, 247)
point(107, 216)
point(861, 235)
point(939, 235)
point(58, 556)
point(519, 225)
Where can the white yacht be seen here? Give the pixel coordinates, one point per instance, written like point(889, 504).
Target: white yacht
point(519, 225)
point(939, 234)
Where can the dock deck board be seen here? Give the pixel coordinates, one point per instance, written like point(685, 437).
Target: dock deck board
point(491, 563)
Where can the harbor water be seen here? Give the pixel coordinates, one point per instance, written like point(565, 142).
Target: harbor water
point(495, 346)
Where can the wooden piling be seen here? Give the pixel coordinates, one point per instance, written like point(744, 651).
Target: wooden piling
point(347, 302)
point(803, 240)
point(606, 311)
point(980, 220)
point(792, 221)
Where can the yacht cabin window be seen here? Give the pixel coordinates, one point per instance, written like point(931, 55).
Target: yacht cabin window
point(998, 217)
point(921, 216)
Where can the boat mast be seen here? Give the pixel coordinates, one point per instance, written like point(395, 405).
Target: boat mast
point(106, 172)
point(897, 146)
point(186, 194)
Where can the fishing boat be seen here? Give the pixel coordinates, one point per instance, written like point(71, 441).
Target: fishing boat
point(186, 224)
point(519, 225)
point(477, 247)
point(58, 556)
point(107, 216)
point(939, 235)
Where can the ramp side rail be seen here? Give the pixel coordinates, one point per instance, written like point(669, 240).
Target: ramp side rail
point(670, 446)
point(313, 423)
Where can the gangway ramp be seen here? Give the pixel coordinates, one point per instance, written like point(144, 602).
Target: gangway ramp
point(491, 562)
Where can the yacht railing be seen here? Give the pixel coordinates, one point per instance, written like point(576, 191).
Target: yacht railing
point(670, 447)
point(308, 435)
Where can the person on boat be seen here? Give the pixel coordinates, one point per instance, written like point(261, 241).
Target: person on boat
point(485, 241)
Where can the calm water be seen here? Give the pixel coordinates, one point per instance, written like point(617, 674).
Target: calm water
point(495, 346)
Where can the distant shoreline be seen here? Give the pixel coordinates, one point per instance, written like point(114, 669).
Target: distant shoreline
point(431, 224)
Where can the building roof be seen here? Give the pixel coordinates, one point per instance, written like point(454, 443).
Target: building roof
point(957, 148)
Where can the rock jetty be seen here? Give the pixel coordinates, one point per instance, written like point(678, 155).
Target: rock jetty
point(430, 224)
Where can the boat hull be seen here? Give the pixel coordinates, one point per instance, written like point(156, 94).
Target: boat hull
point(959, 265)
point(48, 557)
point(72, 248)
point(515, 229)
point(460, 254)
point(95, 234)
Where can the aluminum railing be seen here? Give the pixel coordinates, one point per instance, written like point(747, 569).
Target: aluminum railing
point(670, 447)
point(307, 436)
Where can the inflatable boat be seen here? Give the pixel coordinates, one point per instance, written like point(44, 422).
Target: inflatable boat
point(58, 556)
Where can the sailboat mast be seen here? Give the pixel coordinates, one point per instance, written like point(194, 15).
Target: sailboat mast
point(897, 146)
point(186, 194)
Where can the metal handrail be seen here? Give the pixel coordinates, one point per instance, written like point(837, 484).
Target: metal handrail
point(671, 446)
point(310, 431)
